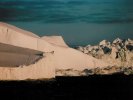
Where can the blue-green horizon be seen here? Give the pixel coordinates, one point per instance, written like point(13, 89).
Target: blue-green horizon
point(80, 22)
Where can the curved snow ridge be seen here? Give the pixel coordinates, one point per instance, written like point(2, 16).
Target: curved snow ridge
point(42, 69)
point(14, 28)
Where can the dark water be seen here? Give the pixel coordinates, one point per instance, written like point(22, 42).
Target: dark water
point(80, 22)
point(67, 11)
point(113, 87)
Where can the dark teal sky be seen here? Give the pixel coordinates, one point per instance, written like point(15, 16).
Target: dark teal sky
point(80, 22)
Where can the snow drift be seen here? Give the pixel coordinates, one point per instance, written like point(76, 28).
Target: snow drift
point(24, 55)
